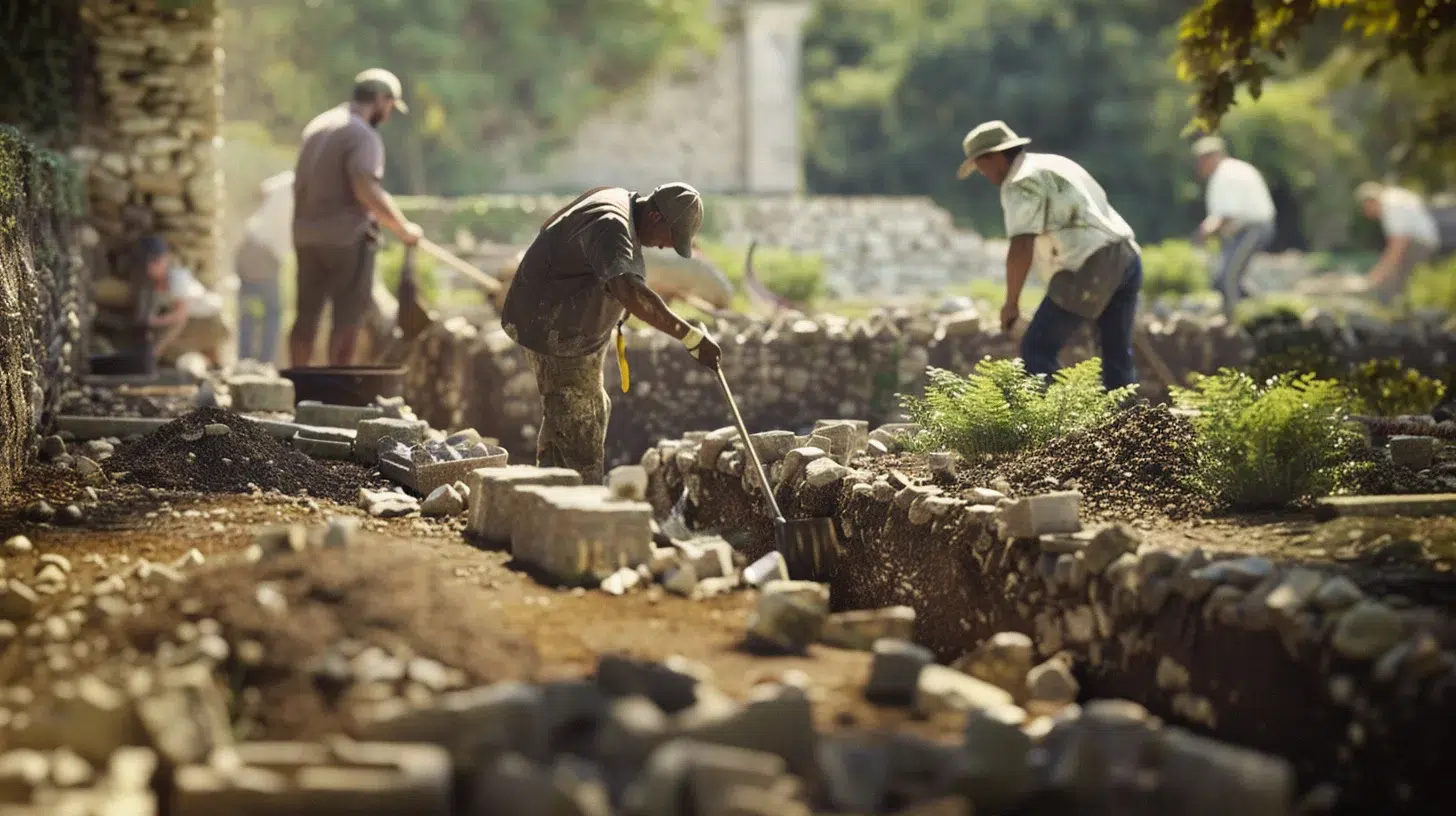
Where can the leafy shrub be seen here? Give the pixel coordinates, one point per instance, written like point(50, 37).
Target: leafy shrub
point(1269, 446)
point(1387, 388)
point(1173, 269)
point(795, 275)
point(1433, 286)
point(1001, 408)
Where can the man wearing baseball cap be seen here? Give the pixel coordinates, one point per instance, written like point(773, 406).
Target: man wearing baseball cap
point(1058, 214)
point(1240, 213)
point(577, 282)
point(339, 204)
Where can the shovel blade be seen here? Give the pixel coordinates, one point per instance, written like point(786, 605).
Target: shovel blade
point(810, 547)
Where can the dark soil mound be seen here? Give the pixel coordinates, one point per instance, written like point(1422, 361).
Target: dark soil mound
point(1142, 461)
point(1139, 463)
point(181, 456)
point(337, 601)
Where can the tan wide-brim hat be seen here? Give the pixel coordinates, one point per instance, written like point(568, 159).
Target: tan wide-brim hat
point(989, 137)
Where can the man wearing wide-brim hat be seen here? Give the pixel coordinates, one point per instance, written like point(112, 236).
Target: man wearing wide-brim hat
point(1057, 213)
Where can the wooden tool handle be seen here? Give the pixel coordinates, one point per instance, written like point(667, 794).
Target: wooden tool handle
point(490, 284)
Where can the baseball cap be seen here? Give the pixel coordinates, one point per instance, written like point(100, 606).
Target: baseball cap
point(379, 80)
point(1208, 145)
point(1368, 190)
point(681, 205)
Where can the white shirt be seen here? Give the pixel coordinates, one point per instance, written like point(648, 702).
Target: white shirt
point(272, 222)
point(1053, 198)
point(182, 285)
point(1236, 191)
point(1404, 215)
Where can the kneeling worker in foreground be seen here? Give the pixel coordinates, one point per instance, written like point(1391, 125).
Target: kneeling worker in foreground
point(1055, 209)
point(579, 279)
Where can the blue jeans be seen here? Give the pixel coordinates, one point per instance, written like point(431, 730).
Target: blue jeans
point(1052, 326)
point(1234, 254)
point(253, 295)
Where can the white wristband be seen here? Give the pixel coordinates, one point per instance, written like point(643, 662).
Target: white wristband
point(693, 338)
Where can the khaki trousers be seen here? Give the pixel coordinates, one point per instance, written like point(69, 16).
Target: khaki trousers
point(575, 409)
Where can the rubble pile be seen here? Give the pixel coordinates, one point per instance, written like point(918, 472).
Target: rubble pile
point(214, 450)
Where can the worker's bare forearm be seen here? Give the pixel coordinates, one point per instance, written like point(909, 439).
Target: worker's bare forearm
point(381, 205)
point(1018, 265)
point(646, 305)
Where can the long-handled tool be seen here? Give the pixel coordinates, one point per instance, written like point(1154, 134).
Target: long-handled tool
point(489, 283)
point(810, 546)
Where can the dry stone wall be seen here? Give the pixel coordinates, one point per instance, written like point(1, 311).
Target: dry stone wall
point(43, 285)
point(869, 245)
point(795, 370)
point(150, 153)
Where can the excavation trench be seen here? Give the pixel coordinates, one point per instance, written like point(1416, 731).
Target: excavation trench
point(1381, 737)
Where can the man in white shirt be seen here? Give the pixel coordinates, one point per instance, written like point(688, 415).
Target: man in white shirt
point(1240, 213)
point(1411, 235)
point(1058, 215)
point(267, 240)
point(177, 311)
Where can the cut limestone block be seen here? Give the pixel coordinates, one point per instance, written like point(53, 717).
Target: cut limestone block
point(848, 437)
point(405, 431)
point(580, 542)
point(1414, 452)
point(1434, 504)
point(1032, 516)
point(492, 496)
point(313, 412)
point(527, 507)
point(323, 448)
point(253, 393)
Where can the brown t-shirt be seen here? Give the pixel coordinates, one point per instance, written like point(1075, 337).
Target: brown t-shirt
point(558, 302)
point(337, 145)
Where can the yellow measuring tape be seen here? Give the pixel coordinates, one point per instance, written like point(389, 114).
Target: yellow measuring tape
point(622, 358)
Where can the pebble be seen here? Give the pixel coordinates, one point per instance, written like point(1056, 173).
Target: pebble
point(443, 501)
point(1003, 660)
point(1052, 682)
point(18, 545)
point(40, 511)
point(216, 429)
point(70, 514)
point(1337, 593)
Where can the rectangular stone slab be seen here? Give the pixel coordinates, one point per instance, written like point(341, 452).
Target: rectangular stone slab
point(491, 496)
point(580, 543)
point(528, 505)
point(313, 412)
point(1434, 504)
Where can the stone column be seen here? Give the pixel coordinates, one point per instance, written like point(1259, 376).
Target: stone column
point(150, 152)
point(773, 37)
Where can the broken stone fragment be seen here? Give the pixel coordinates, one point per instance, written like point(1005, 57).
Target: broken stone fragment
point(824, 472)
point(860, 628)
point(895, 671)
point(1003, 660)
point(621, 582)
point(216, 429)
point(943, 465)
point(771, 567)
point(942, 689)
point(1032, 516)
point(628, 482)
point(444, 500)
point(788, 616)
point(995, 771)
point(1366, 630)
point(387, 504)
point(1337, 593)
point(681, 580)
point(1052, 683)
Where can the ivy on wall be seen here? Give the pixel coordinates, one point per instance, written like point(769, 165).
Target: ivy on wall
point(44, 62)
point(35, 181)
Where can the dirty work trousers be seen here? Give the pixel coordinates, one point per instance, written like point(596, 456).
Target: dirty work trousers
point(1236, 250)
point(575, 409)
point(1052, 326)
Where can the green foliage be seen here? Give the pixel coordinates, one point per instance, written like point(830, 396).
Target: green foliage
point(1269, 446)
point(1388, 388)
point(491, 86)
point(1173, 269)
point(41, 62)
point(35, 181)
point(390, 264)
point(1433, 286)
point(798, 276)
point(1226, 45)
point(1001, 408)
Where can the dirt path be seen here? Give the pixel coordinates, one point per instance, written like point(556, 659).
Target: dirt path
point(569, 629)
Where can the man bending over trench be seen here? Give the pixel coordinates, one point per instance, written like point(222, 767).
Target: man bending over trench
point(576, 283)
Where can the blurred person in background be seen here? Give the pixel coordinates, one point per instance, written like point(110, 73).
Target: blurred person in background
point(177, 313)
point(1412, 236)
point(338, 205)
point(267, 241)
point(1240, 214)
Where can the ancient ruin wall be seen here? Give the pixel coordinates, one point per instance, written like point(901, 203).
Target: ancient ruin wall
point(43, 285)
point(149, 154)
point(796, 371)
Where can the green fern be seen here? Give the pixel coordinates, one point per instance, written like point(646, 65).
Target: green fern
point(1001, 408)
point(1263, 447)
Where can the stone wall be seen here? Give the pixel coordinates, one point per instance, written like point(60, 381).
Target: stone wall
point(794, 371)
point(727, 121)
point(150, 153)
point(43, 284)
point(869, 245)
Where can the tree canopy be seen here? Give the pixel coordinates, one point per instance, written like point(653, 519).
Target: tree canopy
point(476, 74)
